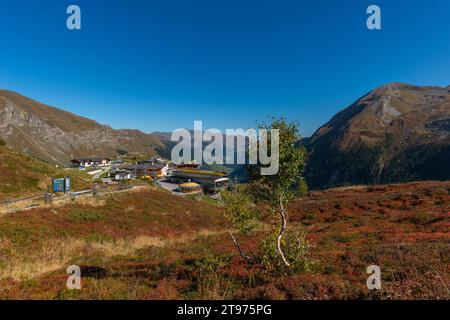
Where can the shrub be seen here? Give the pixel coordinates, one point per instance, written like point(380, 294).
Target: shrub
point(85, 216)
point(296, 250)
point(206, 276)
point(122, 152)
point(343, 238)
point(302, 187)
point(421, 218)
point(239, 211)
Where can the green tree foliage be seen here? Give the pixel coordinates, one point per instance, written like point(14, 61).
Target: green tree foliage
point(122, 152)
point(270, 189)
point(295, 247)
point(302, 187)
point(240, 211)
point(273, 193)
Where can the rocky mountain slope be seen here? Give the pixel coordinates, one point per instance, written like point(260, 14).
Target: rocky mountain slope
point(396, 133)
point(57, 136)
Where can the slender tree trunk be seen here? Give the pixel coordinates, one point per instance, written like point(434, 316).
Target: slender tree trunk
point(236, 244)
point(283, 215)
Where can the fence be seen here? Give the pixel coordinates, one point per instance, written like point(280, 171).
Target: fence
point(15, 205)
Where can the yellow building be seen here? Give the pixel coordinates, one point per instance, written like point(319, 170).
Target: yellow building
point(190, 187)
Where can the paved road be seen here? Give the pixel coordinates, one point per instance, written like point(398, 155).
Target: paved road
point(168, 186)
point(105, 170)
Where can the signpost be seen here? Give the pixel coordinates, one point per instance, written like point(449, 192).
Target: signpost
point(61, 185)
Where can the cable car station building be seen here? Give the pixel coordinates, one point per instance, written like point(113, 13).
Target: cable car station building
point(210, 181)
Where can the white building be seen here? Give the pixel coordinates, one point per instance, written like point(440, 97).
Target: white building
point(91, 162)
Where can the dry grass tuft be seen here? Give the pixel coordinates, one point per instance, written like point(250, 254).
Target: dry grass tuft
point(56, 254)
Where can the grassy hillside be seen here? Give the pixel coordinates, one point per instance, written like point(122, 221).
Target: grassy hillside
point(25, 176)
point(151, 245)
point(36, 242)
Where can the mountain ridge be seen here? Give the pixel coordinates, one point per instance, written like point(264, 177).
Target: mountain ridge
point(389, 135)
point(395, 133)
point(55, 135)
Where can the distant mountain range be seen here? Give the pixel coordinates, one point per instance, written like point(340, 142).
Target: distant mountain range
point(395, 133)
point(57, 136)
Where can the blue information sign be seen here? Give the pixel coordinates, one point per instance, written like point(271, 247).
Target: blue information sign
point(61, 185)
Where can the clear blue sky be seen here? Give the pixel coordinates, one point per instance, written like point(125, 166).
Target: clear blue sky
point(160, 65)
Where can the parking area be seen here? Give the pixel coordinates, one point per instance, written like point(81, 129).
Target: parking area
point(172, 187)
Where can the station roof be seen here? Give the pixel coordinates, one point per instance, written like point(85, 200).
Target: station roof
point(190, 185)
point(145, 166)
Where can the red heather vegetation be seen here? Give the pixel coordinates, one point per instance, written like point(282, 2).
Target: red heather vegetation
point(151, 245)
